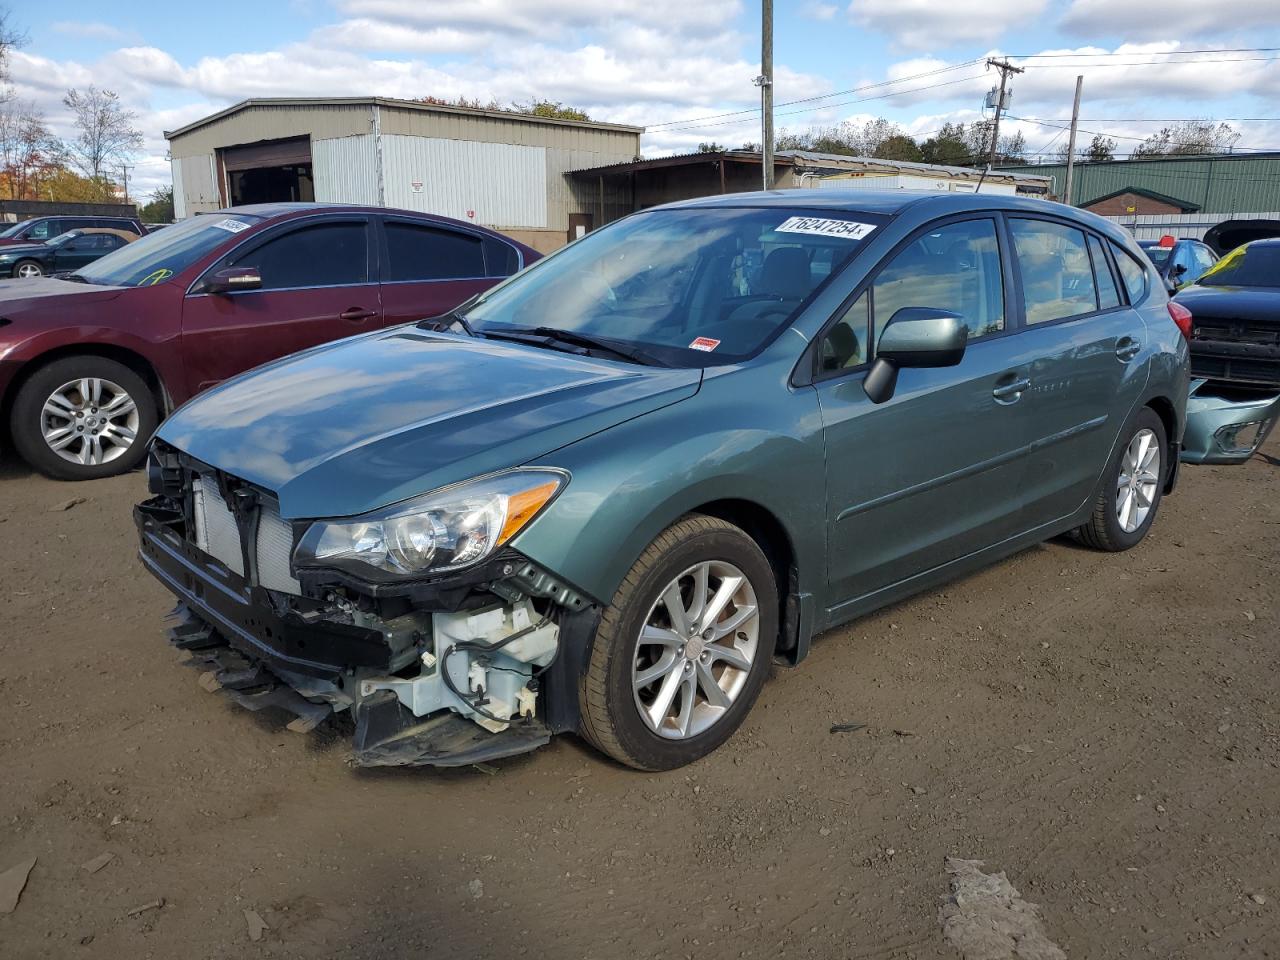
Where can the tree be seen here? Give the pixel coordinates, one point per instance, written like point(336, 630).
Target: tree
point(1189, 138)
point(29, 152)
point(899, 147)
point(552, 109)
point(711, 147)
point(105, 131)
point(9, 38)
point(949, 146)
point(1100, 149)
point(160, 207)
point(67, 186)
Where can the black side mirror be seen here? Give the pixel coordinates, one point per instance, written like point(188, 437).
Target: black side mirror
point(233, 279)
point(914, 337)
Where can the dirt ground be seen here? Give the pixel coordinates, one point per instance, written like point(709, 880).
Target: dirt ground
point(1103, 728)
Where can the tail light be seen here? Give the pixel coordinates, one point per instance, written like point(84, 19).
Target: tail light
point(1182, 317)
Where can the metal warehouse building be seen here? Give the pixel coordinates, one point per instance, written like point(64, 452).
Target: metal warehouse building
point(498, 169)
point(1214, 186)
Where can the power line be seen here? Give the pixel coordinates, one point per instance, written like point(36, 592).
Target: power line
point(1148, 63)
point(1121, 136)
point(1156, 120)
point(822, 96)
point(1132, 53)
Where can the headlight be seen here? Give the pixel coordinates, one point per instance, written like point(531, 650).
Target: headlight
point(441, 531)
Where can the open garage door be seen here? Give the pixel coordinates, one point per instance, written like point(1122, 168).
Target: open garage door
point(268, 171)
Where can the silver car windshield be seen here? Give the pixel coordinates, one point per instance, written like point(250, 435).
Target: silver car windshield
point(691, 286)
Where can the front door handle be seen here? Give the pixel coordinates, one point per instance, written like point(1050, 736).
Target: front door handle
point(1011, 391)
point(1127, 348)
point(357, 313)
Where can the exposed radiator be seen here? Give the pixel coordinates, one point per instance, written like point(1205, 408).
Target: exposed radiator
point(218, 535)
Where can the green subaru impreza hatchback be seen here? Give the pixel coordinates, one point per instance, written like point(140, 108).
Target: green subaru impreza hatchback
point(605, 496)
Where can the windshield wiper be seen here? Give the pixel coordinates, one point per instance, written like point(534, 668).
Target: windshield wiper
point(74, 278)
point(453, 316)
point(549, 335)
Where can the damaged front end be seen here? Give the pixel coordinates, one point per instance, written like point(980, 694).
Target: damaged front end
point(472, 664)
point(1227, 423)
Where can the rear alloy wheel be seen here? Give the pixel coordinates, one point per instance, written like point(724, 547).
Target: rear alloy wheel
point(83, 417)
point(28, 268)
point(684, 648)
point(1132, 484)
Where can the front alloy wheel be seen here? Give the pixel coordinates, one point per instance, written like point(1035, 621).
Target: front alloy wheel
point(28, 269)
point(90, 421)
point(682, 651)
point(695, 651)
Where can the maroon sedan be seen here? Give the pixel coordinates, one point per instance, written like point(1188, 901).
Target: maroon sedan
point(91, 362)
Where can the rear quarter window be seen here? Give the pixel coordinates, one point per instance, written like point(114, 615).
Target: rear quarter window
point(1132, 273)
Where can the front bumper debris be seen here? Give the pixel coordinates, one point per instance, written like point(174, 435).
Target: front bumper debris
point(1226, 423)
point(424, 685)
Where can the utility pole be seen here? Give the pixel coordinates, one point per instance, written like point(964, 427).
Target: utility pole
point(1071, 142)
point(1005, 68)
point(124, 169)
point(765, 83)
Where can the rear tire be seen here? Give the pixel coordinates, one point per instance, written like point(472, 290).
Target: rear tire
point(28, 268)
point(1131, 489)
point(682, 651)
point(80, 418)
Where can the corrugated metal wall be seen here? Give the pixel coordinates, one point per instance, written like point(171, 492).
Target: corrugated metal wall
point(195, 188)
point(267, 122)
point(345, 169)
point(1226, 184)
point(1155, 225)
point(499, 184)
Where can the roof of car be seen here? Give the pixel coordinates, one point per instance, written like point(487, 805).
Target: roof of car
point(887, 202)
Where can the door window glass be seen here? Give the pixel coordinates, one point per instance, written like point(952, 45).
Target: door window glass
point(1057, 276)
point(1132, 273)
point(1204, 259)
point(324, 255)
point(954, 268)
point(1108, 293)
point(845, 344)
point(41, 231)
point(416, 252)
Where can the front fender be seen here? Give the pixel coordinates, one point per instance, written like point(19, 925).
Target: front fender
point(737, 439)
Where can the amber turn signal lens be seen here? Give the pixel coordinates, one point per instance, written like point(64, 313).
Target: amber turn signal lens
point(522, 506)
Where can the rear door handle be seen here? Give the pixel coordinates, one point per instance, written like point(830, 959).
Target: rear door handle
point(357, 313)
point(1011, 391)
point(1127, 348)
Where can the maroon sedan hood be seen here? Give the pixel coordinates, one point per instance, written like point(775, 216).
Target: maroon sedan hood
point(19, 292)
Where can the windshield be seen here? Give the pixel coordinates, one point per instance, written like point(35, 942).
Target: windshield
point(691, 287)
point(62, 238)
point(157, 257)
point(16, 229)
point(1159, 255)
point(1254, 265)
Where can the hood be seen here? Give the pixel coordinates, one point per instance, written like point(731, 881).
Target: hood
point(16, 292)
point(12, 249)
point(355, 425)
point(1232, 303)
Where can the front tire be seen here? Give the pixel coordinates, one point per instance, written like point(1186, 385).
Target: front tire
point(28, 268)
point(80, 418)
point(1132, 486)
point(682, 651)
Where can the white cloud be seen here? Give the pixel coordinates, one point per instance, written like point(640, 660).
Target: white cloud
point(943, 24)
point(94, 31)
point(362, 33)
point(1155, 19)
point(534, 16)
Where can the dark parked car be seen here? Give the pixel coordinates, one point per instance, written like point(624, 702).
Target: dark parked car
point(90, 363)
point(40, 229)
point(63, 254)
point(1235, 353)
point(1179, 262)
point(619, 485)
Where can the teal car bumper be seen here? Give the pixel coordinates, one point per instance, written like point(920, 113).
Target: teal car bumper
point(1226, 425)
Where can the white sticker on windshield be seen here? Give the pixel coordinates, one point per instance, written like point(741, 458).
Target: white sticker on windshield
point(232, 226)
point(844, 229)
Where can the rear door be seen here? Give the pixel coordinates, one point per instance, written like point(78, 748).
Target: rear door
point(429, 268)
point(931, 475)
point(317, 286)
point(1084, 347)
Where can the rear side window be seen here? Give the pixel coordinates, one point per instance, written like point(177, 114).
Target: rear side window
point(41, 230)
point(500, 259)
point(1132, 273)
point(324, 255)
point(416, 252)
point(1108, 293)
point(1057, 274)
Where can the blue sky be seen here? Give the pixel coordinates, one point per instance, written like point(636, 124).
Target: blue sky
point(655, 62)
